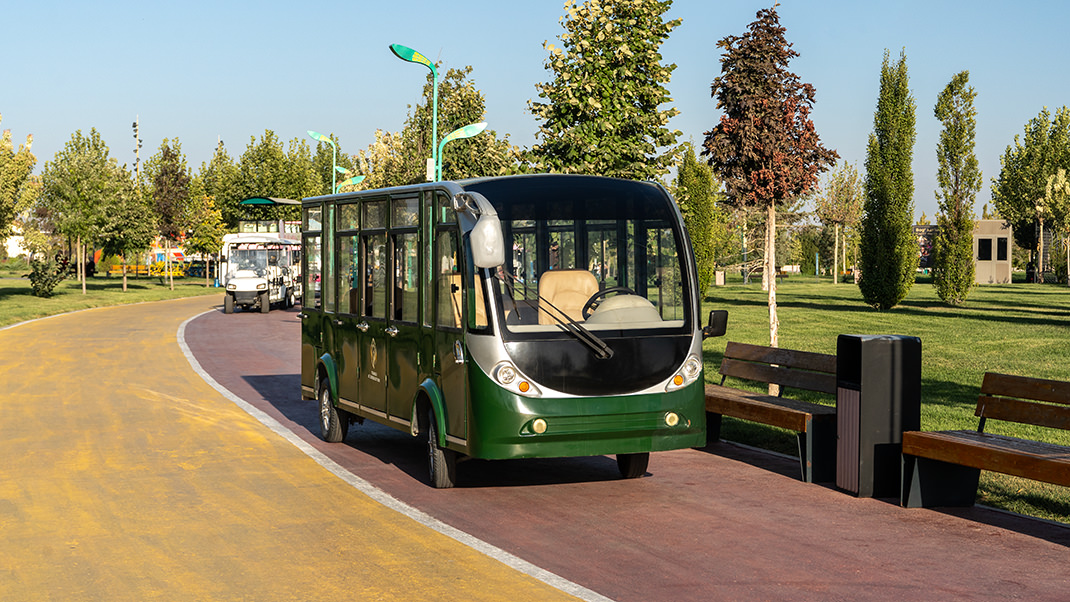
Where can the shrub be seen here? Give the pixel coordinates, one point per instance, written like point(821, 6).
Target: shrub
point(45, 274)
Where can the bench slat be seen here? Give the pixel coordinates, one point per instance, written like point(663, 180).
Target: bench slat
point(803, 360)
point(790, 414)
point(1006, 385)
point(781, 375)
point(1024, 412)
point(1034, 460)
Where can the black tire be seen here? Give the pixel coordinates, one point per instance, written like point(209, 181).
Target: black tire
point(290, 299)
point(228, 303)
point(265, 302)
point(442, 463)
point(632, 466)
point(334, 423)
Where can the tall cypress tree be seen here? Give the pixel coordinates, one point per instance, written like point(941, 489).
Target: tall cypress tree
point(696, 192)
point(888, 252)
point(960, 179)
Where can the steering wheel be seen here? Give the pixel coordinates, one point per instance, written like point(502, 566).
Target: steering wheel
point(592, 303)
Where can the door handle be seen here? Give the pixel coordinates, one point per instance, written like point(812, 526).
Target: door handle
point(337, 322)
point(363, 326)
point(392, 331)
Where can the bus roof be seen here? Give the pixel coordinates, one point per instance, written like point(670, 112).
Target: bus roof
point(268, 200)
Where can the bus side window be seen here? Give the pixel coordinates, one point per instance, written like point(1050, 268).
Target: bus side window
point(375, 276)
point(349, 274)
point(447, 280)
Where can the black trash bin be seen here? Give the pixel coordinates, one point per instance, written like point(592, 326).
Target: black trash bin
point(878, 396)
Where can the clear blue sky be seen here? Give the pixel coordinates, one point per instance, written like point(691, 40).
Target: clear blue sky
point(201, 70)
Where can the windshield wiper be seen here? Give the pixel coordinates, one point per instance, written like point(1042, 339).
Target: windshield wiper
point(563, 321)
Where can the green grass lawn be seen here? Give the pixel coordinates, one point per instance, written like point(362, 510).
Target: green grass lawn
point(1019, 329)
point(17, 303)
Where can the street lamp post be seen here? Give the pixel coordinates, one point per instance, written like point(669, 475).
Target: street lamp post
point(463, 132)
point(408, 54)
point(334, 156)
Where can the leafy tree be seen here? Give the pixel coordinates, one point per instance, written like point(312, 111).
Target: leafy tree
point(765, 148)
point(267, 169)
point(383, 162)
point(324, 162)
point(397, 159)
point(73, 186)
point(206, 229)
point(128, 223)
point(1057, 202)
point(840, 204)
point(960, 179)
point(697, 193)
point(1024, 171)
point(170, 195)
point(889, 251)
point(219, 180)
point(601, 112)
point(16, 189)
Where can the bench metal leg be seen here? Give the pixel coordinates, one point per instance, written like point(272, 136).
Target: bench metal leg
point(817, 451)
point(713, 428)
point(928, 483)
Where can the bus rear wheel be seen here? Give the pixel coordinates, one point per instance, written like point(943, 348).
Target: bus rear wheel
point(632, 466)
point(442, 463)
point(334, 424)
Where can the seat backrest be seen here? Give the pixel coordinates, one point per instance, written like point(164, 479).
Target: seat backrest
point(567, 290)
point(786, 367)
point(1025, 400)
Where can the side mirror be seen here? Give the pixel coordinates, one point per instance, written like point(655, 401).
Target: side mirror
point(488, 244)
point(718, 324)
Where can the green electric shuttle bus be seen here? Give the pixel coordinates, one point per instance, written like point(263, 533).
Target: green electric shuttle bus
point(512, 317)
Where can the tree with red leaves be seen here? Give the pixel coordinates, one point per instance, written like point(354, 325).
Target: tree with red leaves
point(765, 148)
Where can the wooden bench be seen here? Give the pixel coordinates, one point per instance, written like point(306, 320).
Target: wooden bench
point(131, 270)
point(814, 423)
point(942, 468)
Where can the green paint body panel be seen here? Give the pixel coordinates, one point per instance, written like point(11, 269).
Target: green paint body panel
point(500, 422)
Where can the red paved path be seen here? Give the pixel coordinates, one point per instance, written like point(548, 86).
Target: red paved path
point(723, 523)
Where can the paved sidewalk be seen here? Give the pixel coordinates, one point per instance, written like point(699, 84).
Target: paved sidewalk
point(124, 476)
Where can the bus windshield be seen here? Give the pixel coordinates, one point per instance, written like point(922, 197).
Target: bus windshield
point(604, 257)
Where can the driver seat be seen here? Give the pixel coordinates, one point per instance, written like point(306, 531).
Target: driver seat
point(566, 290)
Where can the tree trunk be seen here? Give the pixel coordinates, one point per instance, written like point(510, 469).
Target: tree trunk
point(123, 258)
point(836, 255)
point(80, 250)
point(770, 269)
point(1040, 253)
point(167, 264)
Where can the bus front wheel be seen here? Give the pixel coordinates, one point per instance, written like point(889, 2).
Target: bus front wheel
point(333, 424)
point(632, 466)
point(441, 462)
point(228, 303)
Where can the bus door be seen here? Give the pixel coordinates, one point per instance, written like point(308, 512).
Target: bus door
point(311, 308)
point(349, 321)
point(374, 326)
point(450, 353)
point(403, 332)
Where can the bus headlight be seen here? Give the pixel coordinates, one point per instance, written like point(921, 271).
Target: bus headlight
point(687, 374)
point(506, 375)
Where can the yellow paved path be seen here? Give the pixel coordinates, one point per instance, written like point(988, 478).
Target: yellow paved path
point(123, 476)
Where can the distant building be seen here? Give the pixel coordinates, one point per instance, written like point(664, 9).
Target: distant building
point(992, 242)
